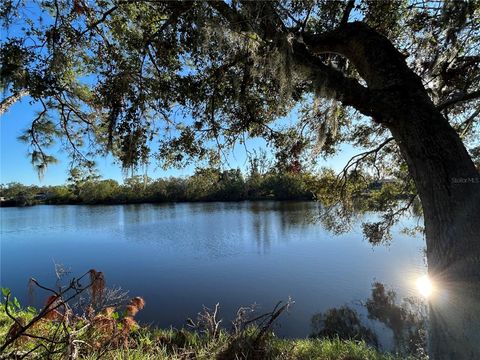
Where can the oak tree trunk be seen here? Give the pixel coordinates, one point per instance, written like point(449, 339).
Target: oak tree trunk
point(446, 180)
point(449, 188)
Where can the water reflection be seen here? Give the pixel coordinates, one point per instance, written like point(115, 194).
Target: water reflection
point(405, 320)
point(344, 323)
point(182, 256)
point(219, 228)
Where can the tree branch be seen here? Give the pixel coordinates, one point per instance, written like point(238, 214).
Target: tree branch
point(359, 157)
point(236, 21)
point(50, 307)
point(10, 100)
point(104, 17)
point(342, 88)
point(374, 56)
point(346, 13)
point(466, 125)
point(325, 78)
point(458, 98)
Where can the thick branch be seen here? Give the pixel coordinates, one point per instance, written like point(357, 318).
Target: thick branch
point(325, 78)
point(10, 100)
point(340, 87)
point(346, 13)
point(373, 55)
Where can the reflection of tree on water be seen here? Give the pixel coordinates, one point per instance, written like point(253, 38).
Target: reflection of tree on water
point(342, 322)
point(289, 214)
point(407, 321)
point(390, 201)
point(273, 221)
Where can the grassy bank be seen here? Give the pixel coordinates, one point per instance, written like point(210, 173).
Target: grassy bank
point(144, 343)
point(321, 349)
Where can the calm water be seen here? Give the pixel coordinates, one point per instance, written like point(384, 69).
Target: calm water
point(181, 256)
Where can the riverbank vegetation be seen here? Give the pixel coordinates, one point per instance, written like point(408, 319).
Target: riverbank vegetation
point(206, 184)
point(91, 322)
point(172, 344)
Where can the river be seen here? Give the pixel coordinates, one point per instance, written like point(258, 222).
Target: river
point(179, 257)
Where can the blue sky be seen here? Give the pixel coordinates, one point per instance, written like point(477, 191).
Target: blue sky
point(15, 165)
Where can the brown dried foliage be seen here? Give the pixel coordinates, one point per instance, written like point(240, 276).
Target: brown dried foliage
point(104, 329)
point(138, 302)
point(97, 279)
point(52, 314)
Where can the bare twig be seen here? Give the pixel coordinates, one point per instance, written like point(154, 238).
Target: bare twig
point(49, 308)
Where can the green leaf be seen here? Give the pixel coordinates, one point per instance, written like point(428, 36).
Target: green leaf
point(5, 292)
point(16, 302)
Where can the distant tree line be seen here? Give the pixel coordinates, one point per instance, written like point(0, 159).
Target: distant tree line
point(205, 184)
point(210, 184)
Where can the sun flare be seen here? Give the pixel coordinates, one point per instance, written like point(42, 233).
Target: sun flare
point(424, 286)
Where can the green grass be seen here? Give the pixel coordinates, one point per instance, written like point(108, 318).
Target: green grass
point(162, 344)
point(331, 349)
point(301, 349)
